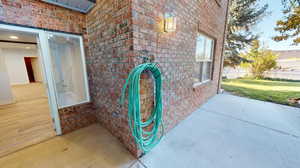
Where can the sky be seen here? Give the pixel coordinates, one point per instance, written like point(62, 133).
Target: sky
point(265, 28)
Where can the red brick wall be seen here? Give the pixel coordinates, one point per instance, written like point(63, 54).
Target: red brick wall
point(175, 52)
point(42, 15)
point(38, 14)
point(109, 29)
point(76, 117)
point(118, 32)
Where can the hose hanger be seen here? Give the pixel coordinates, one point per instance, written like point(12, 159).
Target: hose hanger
point(146, 132)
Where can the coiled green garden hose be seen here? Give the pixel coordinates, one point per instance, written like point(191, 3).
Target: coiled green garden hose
point(146, 133)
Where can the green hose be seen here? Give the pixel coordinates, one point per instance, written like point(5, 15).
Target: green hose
point(146, 133)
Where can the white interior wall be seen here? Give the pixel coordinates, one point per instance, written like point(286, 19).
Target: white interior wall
point(16, 68)
point(6, 95)
point(36, 66)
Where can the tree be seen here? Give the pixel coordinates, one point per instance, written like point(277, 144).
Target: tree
point(289, 26)
point(261, 60)
point(290, 3)
point(243, 15)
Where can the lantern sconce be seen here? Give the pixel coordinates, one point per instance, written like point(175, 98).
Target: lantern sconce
point(170, 22)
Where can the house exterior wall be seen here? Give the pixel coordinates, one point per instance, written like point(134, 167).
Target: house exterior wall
point(117, 33)
point(175, 52)
point(37, 14)
point(120, 31)
point(41, 15)
point(109, 27)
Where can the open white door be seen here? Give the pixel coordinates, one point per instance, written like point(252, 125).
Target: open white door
point(68, 69)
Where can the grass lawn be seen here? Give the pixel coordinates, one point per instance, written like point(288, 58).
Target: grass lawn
point(266, 90)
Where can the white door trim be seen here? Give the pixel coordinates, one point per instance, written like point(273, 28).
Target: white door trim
point(50, 82)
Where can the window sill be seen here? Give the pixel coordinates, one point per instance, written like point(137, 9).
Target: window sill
point(198, 84)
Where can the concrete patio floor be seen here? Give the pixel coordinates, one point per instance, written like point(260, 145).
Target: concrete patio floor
point(232, 132)
point(226, 132)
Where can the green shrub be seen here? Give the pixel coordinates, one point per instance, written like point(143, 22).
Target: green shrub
point(261, 60)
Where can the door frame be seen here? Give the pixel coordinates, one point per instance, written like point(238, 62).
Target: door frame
point(45, 61)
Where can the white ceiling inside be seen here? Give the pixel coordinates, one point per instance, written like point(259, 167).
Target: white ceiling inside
point(4, 45)
point(22, 42)
point(21, 36)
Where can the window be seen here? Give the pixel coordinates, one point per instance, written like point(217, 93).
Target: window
point(69, 71)
point(204, 59)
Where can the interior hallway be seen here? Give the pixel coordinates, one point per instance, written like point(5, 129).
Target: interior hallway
point(27, 121)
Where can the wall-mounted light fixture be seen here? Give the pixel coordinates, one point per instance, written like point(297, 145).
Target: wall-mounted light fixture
point(170, 22)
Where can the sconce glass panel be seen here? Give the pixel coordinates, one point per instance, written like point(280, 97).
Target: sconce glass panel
point(170, 23)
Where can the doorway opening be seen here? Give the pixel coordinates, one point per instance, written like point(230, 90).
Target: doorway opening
point(41, 72)
point(29, 68)
point(25, 114)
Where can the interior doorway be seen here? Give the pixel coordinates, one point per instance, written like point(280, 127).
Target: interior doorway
point(25, 112)
point(41, 72)
point(28, 64)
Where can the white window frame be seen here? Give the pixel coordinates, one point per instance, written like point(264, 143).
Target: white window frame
point(205, 60)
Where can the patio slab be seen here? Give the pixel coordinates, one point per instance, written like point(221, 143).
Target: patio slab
point(232, 132)
point(280, 118)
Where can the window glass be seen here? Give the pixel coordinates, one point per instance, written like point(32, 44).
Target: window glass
point(204, 59)
point(200, 52)
point(208, 48)
point(196, 75)
point(206, 71)
point(68, 70)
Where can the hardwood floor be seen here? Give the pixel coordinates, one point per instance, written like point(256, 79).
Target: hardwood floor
point(89, 147)
point(30, 91)
point(27, 121)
